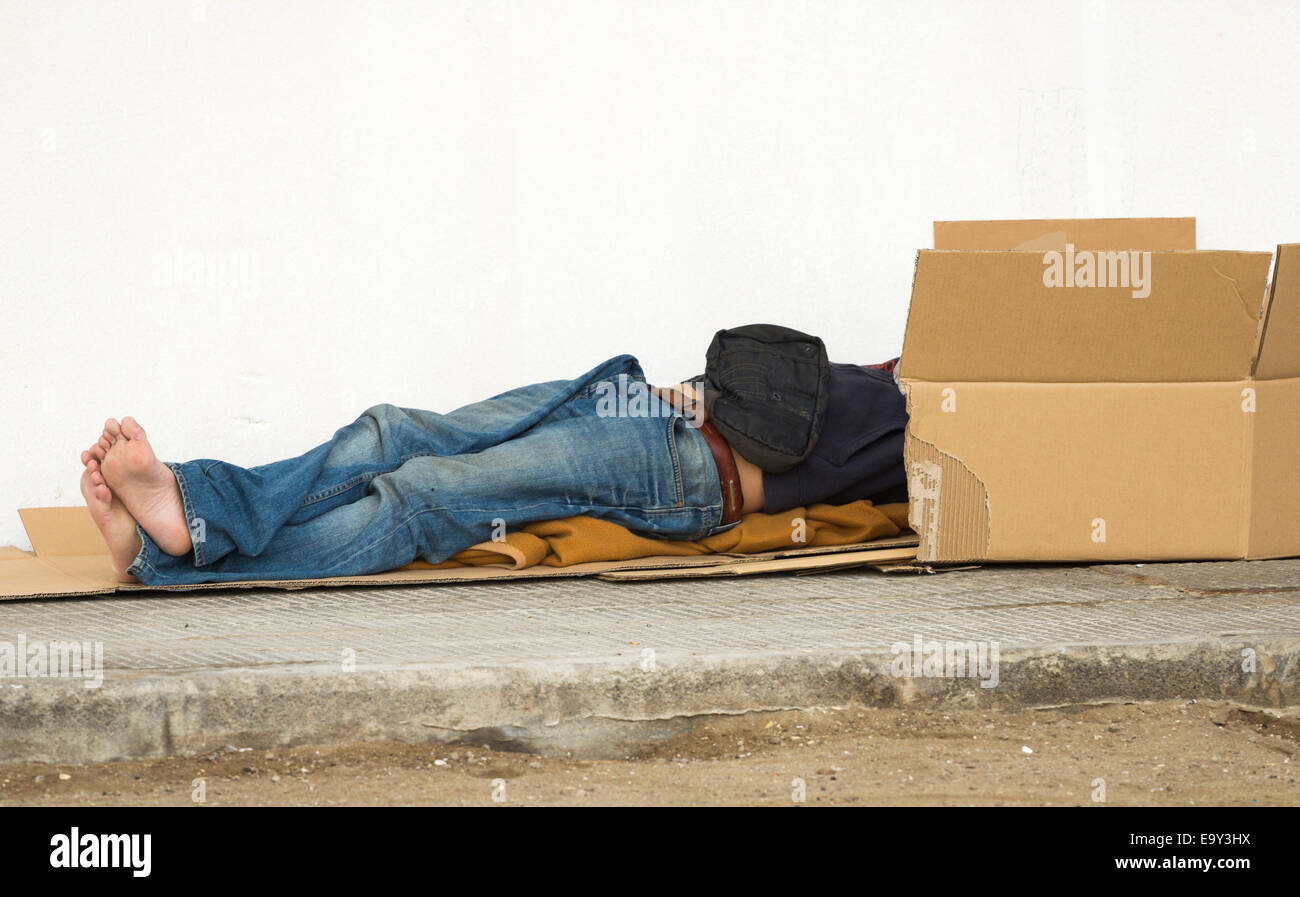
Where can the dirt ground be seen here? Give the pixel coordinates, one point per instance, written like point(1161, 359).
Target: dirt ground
point(1171, 753)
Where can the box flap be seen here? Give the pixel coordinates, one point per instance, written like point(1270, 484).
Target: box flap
point(1278, 353)
point(62, 531)
point(1054, 233)
point(1122, 316)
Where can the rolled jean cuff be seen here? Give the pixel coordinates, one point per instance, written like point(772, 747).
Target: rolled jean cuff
point(146, 560)
point(143, 563)
point(195, 524)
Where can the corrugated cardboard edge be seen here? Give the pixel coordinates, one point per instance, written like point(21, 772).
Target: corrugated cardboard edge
point(949, 505)
point(1266, 309)
point(1277, 349)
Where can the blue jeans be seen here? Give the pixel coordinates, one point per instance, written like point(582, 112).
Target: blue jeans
point(399, 484)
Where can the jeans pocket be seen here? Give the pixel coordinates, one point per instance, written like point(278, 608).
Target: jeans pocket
point(697, 474)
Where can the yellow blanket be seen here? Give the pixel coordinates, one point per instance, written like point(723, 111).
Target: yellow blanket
point(577, 540)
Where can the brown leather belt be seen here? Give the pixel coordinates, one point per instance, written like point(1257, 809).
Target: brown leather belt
point(733, 499)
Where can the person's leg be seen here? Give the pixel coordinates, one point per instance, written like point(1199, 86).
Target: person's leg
point(210, 508)
point(654, 474)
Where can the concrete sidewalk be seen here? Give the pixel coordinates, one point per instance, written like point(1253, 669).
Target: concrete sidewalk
point(608, 668)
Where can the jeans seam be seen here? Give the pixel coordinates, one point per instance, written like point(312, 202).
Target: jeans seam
point(499, 513)
point(361, 478)
point(338, 488)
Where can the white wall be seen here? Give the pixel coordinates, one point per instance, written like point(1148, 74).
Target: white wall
point(426, 203)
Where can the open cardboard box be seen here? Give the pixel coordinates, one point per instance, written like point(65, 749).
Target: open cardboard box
point(69, 559)
point(1098, 390)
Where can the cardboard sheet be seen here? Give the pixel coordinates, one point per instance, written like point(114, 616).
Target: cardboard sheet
point(69, 559)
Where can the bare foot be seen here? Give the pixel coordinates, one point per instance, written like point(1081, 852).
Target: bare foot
point(147, 487)
point(115, 522)
point(98, 449)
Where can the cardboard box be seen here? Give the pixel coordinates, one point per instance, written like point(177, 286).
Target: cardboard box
point(1108, 394)
point(69, 559)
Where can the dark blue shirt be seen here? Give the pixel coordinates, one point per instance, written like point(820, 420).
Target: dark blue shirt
point(859, 453)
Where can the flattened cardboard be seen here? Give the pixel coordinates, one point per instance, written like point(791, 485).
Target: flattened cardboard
point(803, 564)
point(69, 559)
point(1054, 423)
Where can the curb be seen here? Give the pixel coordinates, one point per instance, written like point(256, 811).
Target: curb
point(595, 710)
